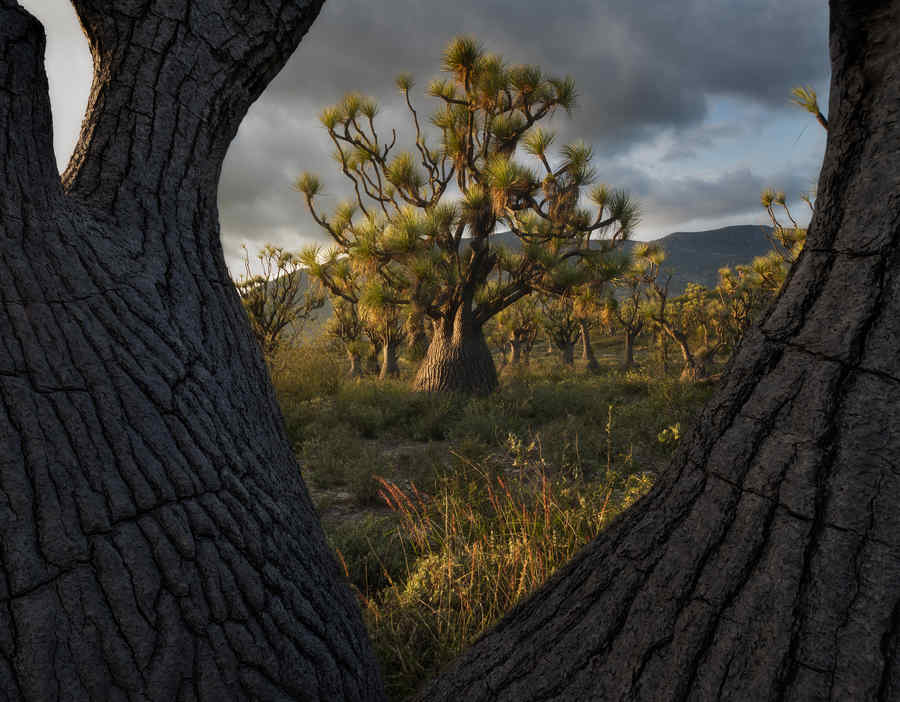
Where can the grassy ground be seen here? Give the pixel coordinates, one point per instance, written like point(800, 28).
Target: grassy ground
point(447, 510)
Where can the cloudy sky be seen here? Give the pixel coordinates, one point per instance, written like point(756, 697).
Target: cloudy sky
point(686, 103)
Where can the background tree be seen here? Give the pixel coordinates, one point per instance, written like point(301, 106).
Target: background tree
point(745, 293)
point(787, 241)
point(628, 310)
point(518, 327)
point(384, 321)
point(416, 332)
point(764, 563)
point(561, 325)
point(157, 540)
point(437, 249)
point(673, 317)
point(375, 304)
point(806, 98)
point(346, 327)
point(588, 308)
point(278, 299)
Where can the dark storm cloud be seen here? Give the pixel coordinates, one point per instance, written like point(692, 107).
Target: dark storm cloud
point(638, 65)
point(642, 69)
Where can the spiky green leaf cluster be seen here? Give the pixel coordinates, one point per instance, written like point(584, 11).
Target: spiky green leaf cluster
point(411, 236)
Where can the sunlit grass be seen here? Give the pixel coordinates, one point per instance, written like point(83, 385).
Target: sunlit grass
point(462, 506)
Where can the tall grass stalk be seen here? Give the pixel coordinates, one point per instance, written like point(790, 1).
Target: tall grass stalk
point(478, 545)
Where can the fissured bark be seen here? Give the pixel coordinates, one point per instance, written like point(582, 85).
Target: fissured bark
point(458, 359)
point(157, 541)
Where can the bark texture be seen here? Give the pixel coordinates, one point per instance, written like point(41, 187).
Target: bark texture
point(765, 564)
point(157, 541)
point(458, 360)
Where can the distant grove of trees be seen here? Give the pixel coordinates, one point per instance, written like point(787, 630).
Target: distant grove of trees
point(413, 266)
point(629, 298)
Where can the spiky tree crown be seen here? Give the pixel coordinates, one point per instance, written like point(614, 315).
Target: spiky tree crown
point(423, 219)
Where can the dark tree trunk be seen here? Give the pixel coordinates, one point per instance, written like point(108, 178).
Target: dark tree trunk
point(389, 367)
point(373, 366)
point(458, 359)
point(630, 336)
point(566, 350)
point(765, 564)
point(692, 369)
point(587, 351)
point(157, 541)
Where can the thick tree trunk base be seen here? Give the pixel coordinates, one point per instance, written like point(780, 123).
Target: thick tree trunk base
point(457, 363)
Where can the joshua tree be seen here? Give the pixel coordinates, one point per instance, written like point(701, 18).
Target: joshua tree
point(628, 315)
point(346, 326)
point(416, 334)
point(561, 324)
point(278, 298)
point(438, 249)
point(787, 241)
point(588, 309)
point(518, 327)
point(157, 540)
point(385, 327)
point(375, 304)
point(806, 98)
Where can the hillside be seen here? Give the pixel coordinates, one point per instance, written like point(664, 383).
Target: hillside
point(696, 256)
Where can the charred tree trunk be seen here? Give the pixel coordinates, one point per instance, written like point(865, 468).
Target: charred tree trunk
point(458, 358)
point(587, 351)
point(765, 563)
point(157, 541)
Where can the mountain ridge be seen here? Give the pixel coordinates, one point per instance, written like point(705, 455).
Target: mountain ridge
point(695, 256)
